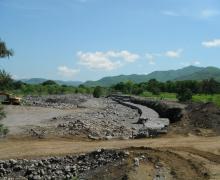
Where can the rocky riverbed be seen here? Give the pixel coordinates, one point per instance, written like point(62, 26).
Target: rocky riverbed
point(78, 116)
point(98, 119)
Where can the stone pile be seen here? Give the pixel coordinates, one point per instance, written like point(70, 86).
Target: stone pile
point(66, 167)
point(56, 101)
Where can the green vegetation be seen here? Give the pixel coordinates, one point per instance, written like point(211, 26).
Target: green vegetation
point(5, 82)
point(184, 95)
point(207, 98)
point(4, 51)
point(41, 80)
point(164, 96)
point(3, 130)
point(174, 90)
point(187, 73)
point(214, 98)
point(98, 92)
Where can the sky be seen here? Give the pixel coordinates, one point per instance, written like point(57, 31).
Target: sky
point(90, 39)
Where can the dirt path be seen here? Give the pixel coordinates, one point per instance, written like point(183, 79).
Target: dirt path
point(18, 148)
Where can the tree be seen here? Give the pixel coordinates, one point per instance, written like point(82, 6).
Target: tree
point(49, 82)
point(210, 86)
point(5, 80)
point(98, 92)
point(4, 51)
point(184, 95)
point(154, 86)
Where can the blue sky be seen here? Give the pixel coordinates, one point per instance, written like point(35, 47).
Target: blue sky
point(90, 39)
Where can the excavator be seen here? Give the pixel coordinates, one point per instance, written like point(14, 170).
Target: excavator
point(6, 98)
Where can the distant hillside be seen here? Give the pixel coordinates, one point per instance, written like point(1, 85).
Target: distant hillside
point(187, 73)
point(41, 80)
point(159, 75)
point(205, 73)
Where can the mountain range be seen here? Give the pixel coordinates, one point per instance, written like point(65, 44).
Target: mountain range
point(41, 80)
point(186, 73)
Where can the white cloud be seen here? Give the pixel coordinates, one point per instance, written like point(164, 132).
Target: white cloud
point(109, 60)
point(170, 13)
point(151, 58)
point(15, 77)
point(67, 72)
point(208, 13)
point(197, 63)
point(174, 53)
point(211, 43)
point(196, 14)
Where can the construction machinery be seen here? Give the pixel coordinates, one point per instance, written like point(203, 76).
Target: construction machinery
point(6, 98)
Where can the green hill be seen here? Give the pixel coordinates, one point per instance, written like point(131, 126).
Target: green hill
point(205, 73)
point(41, 80)
point(159, 75)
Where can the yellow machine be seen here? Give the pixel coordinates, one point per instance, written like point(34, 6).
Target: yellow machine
point(6, 98)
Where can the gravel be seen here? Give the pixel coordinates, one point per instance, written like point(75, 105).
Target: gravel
point(56, 168)
point(57, 101)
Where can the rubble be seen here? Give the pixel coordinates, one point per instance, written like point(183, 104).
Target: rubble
point(66, 167)
point(56, 101)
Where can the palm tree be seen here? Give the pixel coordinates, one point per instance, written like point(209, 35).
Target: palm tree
point(4, 51)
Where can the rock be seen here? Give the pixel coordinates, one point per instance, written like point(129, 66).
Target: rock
point(42, 172)
point(126, 153)
point(2, 170)
point(136, 162)
point(12, 161)
point(36, 177)
point(17, 168)
point(93, 137)
point(108, 137)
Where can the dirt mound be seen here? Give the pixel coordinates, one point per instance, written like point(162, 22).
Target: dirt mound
point(205, 115)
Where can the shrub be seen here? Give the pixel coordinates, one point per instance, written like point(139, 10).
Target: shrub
point(98, 92)
point(155, 91)
point(184, 95)
point(3, 130)
point(49, 82)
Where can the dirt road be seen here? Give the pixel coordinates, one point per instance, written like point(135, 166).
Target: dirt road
point(18, 148)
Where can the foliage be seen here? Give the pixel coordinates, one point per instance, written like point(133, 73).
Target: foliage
point(4, 51)
point(5, 80)
point(3, 130)
point(98, 92)
point(215, 98)
point(2, 114)
point(184, 95)
point(209, 86)
point(49, 82)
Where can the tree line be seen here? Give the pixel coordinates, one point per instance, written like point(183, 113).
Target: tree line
point(184, 89)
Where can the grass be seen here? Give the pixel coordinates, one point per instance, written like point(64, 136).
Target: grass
point(207, 98)
point(215, 98)
point(166, 96)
